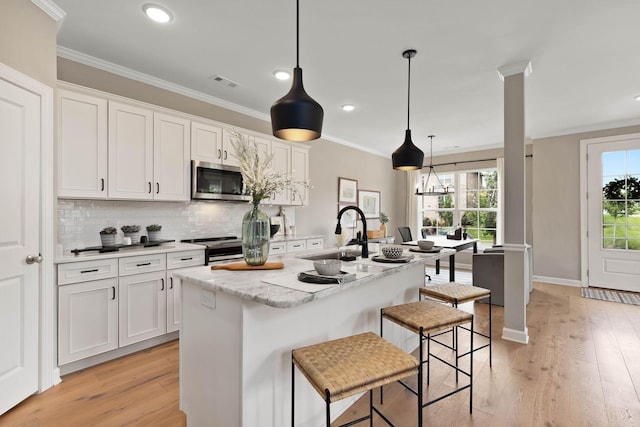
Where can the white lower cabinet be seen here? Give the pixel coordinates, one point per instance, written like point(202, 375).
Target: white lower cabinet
point(290, 246)
point(139, 300)
point(88, 322)
point(143, 307)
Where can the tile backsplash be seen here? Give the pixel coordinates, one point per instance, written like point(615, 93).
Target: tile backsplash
point(80, 221)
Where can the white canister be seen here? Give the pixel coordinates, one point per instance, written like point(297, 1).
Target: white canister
point(126, 241)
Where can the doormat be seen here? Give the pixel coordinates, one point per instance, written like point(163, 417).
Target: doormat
point(613, 296)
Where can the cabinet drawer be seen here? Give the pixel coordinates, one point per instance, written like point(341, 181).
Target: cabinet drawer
point(185, 259)
point(277, 248)
point(142, 264)
point(297, 246)
point(314, 244)
point(83, 271)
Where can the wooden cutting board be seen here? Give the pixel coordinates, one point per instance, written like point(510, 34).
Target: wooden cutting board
point(236, 266)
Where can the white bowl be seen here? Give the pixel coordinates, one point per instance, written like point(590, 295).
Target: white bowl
point(327, 267)
point(425, 244)
point(392, 252)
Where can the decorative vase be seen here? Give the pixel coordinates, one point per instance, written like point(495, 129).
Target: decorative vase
point(383, 228)
point(256, 232)
point(135, 237)
point(154, 236)
point(108, 240)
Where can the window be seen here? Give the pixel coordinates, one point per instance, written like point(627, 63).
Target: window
point(473, 205)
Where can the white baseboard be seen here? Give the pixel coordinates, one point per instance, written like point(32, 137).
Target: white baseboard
point(558, 281)
point(521, 337)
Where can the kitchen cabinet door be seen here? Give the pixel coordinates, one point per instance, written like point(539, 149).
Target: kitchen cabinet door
point(174, 305)
point(206, 143)
point(300, 173)
point(143, 307)
point(171, 158)
point(88, 319)
point(82, 145)
point(130, 152)
point(281, 162)
point(228, 153)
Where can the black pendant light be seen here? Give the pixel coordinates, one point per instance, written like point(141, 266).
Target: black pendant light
point(408, 157)
point(296, 116)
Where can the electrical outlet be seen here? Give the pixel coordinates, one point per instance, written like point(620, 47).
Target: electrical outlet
point(208, 299)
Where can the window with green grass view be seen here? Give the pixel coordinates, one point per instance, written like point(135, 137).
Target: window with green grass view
point(472, 204)
point(621, 200)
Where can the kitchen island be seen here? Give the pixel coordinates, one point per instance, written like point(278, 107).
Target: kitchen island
point(239, 327)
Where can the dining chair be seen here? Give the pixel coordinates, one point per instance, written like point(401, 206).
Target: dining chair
point(405, 233)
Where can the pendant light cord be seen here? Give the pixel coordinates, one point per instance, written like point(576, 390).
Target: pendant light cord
point(408, 91)
point(297, 33)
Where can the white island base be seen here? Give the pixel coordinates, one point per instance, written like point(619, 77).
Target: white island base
point(235, 353)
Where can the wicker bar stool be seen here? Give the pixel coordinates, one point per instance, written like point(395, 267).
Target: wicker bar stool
point(458, 293)
point(426, 318)
point(347, 366)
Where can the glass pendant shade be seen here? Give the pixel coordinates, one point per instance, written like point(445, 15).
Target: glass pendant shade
point(296, 116)
point(407, 157)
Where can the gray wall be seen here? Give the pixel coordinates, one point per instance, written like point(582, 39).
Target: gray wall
point(556, 203)
point(28, 40)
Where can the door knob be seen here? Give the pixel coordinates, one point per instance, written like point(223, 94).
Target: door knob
point(34, 258)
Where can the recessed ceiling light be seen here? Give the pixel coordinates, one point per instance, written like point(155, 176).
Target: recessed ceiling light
point(348, 107)
point(281, 74)
point(637, 98)
point(157, 13)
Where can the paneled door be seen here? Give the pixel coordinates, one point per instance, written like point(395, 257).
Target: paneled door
point(613, 176)
point(20, 125)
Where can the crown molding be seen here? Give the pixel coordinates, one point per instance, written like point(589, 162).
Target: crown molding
point(51, 9)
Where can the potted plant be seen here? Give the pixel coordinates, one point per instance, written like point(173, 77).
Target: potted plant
point(384, 219)
point(132, 231)
point(108, 236)
point(153, 231)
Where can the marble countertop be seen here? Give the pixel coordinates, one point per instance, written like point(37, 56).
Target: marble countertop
point(254, 285)
point(125, 251)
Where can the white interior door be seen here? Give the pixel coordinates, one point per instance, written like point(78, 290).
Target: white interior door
point(613, 175)
point(20, 126)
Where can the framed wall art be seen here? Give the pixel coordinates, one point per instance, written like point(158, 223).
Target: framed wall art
point(369, 203)
point(347, 191)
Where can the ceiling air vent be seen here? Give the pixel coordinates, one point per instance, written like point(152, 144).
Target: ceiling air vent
point(225, 81)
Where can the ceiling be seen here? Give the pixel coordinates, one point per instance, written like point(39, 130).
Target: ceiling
point(584, 55)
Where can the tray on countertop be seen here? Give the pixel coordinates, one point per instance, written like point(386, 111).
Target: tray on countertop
point(116, 248)
point(312, 276)
point(433, 250)
point(382, 258)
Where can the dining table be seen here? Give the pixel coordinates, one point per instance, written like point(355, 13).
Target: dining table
point(448, 247)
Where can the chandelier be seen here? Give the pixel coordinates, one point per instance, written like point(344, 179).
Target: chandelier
point(436, 188)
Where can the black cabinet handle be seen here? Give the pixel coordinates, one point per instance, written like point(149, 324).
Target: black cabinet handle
point(113, 288)
point(149, 182)
point(170, 282)
point(143, 264)
point(102, 184)
point(95, 270)
point(157, 188)
point(186, 259)
point(219, 153)
point(162, 281)
point(225, 154)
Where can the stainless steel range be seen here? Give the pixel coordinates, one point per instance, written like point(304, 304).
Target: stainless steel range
point(219, 249)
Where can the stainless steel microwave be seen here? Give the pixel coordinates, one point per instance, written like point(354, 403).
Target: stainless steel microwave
point(210, 181)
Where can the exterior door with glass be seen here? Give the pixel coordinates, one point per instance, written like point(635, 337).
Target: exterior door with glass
point(613, 217)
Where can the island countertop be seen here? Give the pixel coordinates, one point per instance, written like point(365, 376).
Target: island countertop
point(259, 286)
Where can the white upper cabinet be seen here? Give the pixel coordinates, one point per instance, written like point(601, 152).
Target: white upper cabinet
point(149, 154)
point(130, 152)
point(228, 154)
point(281, 162)
point(171, 157)
point(206, 142)
point(300, 173)
point(82, 145)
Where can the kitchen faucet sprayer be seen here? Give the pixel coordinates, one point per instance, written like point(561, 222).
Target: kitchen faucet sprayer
point(365, 241)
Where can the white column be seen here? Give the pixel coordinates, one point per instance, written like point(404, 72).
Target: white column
point(516, 260)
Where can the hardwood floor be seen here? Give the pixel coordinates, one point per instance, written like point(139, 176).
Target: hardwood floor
point(580, 368)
